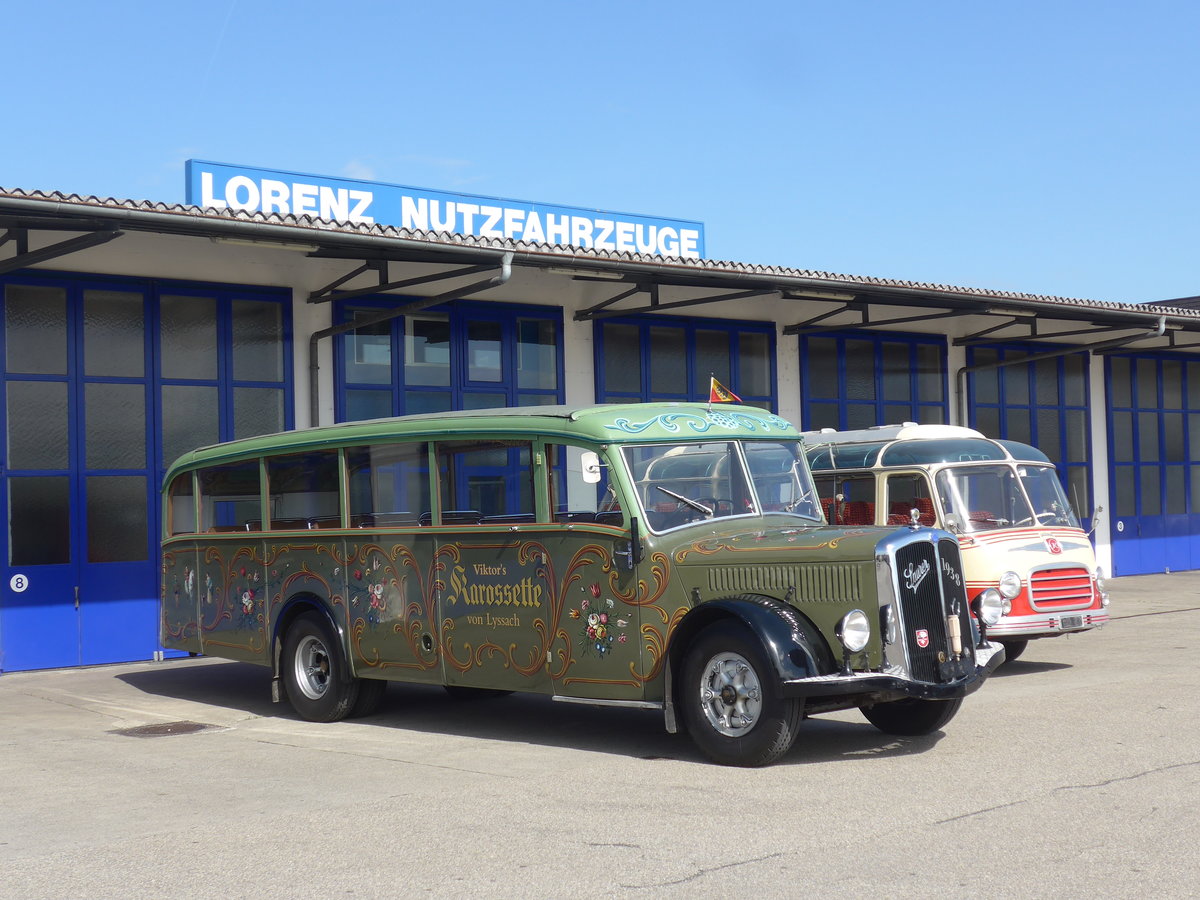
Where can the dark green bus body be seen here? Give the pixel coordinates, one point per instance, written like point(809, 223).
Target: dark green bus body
point(595, 605)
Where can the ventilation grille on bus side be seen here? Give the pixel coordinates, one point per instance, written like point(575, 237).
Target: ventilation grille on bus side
point(816, 582)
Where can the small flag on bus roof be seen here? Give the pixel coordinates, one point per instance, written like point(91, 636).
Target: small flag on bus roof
point(718, 393)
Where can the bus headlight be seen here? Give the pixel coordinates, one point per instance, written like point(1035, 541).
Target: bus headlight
point(989, 607)
point(1010, 585)
point(854, 630)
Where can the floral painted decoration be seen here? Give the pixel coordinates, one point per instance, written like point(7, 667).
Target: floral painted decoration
point(600, 630)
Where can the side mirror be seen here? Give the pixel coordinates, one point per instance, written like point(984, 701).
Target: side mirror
point(589, 461)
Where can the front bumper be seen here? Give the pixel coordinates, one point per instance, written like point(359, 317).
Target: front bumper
point(987, 657)
point(1048, 624)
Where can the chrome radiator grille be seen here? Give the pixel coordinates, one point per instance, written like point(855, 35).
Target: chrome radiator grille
point(931, 587)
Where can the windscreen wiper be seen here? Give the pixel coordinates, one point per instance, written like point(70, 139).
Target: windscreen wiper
point(699, 507)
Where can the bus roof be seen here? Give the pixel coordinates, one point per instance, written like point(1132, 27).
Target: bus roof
point(911, 445)
point(626, 422)
point(907, 431)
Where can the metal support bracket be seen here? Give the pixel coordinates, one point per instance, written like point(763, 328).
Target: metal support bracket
point(383, 286)
point(867, 323)
point(600, 311)
point(26, 258)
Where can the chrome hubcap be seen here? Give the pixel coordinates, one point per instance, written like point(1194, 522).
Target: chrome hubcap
point(312, 668)
point(730, 694)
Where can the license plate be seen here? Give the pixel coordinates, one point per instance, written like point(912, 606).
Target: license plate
point(1072, 622)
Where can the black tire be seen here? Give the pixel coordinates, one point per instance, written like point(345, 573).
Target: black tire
point(370, 693)
point(730, 699)
point(1013, 649)
point(318, 681)
point(460, 692)
point(912, 717)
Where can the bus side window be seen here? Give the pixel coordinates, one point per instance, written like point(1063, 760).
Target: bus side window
point(485, 479)
point(389, 485)
point(847, 499)
point(303, 489)
point(572, 499)
point(229, 498)
point(906, 493)
point(181, 506)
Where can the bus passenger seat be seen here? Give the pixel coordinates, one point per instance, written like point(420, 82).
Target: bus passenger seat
point(827, 504)
point(858, 512)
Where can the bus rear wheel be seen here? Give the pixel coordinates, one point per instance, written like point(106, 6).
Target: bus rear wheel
point(912, 716)
point(318, 680)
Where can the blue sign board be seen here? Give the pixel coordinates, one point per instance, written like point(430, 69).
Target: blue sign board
point(223, 186)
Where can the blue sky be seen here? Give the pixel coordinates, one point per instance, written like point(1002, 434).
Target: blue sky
point(1045, 147)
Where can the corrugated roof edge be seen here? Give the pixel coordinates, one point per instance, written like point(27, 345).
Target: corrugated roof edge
point(576, 254)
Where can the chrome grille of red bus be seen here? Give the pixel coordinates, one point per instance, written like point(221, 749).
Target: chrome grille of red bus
point(1055, 588)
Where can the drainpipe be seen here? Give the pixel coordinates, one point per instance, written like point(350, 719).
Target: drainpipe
point(314, 405)
point(961, 376)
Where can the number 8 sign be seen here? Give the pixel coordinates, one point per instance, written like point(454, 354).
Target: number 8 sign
point(18, 583)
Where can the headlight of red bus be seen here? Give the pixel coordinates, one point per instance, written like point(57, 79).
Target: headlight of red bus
point(1010, 585)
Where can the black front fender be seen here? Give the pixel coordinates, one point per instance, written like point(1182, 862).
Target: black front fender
point(790, 641)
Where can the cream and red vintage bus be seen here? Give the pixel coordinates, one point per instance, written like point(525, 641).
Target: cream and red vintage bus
point(1019, 536)
point(667, 556)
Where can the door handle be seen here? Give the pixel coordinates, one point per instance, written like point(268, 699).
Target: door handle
point(77, 596)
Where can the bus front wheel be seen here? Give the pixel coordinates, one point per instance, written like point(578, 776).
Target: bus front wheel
point(730, 702)
point(1013, 649)
point(318, 680)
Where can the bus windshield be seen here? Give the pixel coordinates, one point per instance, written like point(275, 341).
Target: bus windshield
point(1045, 492)
point(687, 482)
point(983, 498)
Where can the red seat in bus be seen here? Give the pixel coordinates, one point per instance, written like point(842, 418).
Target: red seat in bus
point(899, 511)
point(858, 512)
point(828, 504)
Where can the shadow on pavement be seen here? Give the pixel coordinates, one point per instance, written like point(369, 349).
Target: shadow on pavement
point(1028, 667)
point(523, 718)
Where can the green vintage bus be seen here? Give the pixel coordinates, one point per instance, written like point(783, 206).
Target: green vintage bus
point(666, 556)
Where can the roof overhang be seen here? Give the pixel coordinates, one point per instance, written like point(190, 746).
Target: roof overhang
point(636, 284)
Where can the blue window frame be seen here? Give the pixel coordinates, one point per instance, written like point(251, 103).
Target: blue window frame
point(225, 366)
point(648, 358)
point(1154, 432)
point(856, 379)
point(1043, 403)
point(461, 355)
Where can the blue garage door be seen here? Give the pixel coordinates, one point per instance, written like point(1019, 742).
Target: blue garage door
point(1154, 433)
point(105, 381)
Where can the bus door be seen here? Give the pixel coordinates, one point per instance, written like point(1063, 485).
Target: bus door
point(905, 492)
point(597, 648)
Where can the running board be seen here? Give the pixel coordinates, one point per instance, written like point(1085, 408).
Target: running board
point(629, 704)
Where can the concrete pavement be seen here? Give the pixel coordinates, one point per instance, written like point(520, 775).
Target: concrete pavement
point(1075, 772)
